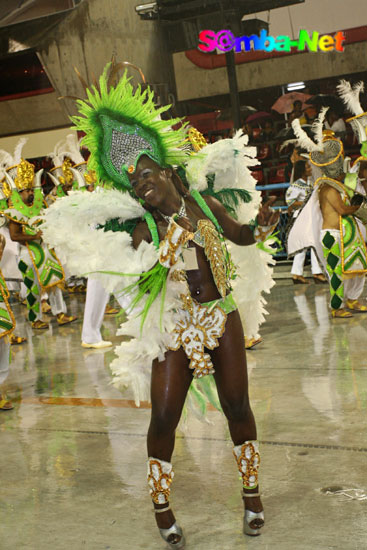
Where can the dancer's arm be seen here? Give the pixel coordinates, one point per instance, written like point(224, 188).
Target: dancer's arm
point(17, 235)
point(333, 197)
point(235, 231)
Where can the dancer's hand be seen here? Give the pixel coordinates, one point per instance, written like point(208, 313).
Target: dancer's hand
point(266, 215)
point(185, 223)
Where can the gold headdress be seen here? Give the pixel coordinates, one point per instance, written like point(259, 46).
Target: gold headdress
point(19, 173)
point(90, 177)
point(67, 177)
point(196, 139)
point(25, 175)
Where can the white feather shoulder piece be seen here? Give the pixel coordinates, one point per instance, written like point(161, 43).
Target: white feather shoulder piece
point(229, 160)
point(222, 159)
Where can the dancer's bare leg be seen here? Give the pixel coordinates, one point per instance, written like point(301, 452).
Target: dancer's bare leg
point(229, 360)
point(170, 383)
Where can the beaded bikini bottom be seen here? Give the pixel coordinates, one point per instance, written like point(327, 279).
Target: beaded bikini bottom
point(199, 327)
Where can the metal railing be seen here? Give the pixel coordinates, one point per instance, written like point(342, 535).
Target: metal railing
point(283, 221)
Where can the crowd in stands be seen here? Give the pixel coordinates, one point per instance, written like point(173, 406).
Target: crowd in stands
point(271, 137)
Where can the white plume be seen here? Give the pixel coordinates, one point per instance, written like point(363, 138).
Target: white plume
point(286, 143)
point(350, 95)
point(72, 149)
point(57, 155)
point(303, 140)
point(18, 150)
point(6, 160)
point(318, 125)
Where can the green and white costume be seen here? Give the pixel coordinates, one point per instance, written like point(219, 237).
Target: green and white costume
point(7, 321)
point(38, 264)
point(122, 124)
point(7, 325)
point(341, 251)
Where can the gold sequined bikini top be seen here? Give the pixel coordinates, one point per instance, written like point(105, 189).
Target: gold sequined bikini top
point(208, 238)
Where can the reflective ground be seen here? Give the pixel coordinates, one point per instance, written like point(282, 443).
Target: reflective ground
point(73, 453)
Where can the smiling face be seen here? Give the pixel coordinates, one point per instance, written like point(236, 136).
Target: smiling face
point(150, 182)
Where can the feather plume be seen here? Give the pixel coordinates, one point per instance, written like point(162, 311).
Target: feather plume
point(18, 150)
point(72, 149)
point(318, 124)
point(6, 160)
point(350, 95)
point(303, 140)
point(57, 155)
point(286, 143)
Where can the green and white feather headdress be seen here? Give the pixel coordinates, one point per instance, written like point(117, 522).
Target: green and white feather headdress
point(122, 124)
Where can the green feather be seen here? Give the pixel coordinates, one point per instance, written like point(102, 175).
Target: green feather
point(123, 104)
point(116, 225)
point(230, 197)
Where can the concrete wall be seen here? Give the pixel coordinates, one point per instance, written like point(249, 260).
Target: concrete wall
point(95, 31)
point(86, 37)
point(324, 16)
point(38, 144)
point(194, 82)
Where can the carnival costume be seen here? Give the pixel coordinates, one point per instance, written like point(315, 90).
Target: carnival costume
point(7, 326)
point(298, 191)
point(120, 126)
point(67, 175)
point(38, 264)
point(71, 168)
point(342, 251)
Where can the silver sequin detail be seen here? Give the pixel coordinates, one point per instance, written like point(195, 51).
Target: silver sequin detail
point(125, 148)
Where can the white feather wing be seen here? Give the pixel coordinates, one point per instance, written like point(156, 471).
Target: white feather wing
point(70, 227)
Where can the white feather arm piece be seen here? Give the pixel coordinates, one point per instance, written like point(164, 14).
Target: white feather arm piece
point(69, 227)
point(254, 278)
point(303, 140)
point(318, 125)
point(350, 95)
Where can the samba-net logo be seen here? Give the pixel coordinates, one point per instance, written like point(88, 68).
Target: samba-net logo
point(225, 41)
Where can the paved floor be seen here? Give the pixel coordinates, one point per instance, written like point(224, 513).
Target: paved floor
point(72, 456)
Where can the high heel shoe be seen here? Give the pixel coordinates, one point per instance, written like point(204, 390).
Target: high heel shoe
point(175, 529)
point(250, 516)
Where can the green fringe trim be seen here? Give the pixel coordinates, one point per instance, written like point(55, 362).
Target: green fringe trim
point(116, 225)
point(150, 283)
point(229, 197)
point(278, 244)
point(205, 208)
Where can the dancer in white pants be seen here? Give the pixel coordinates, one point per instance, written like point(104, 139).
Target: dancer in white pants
point(295, 197)
point(94, 310)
